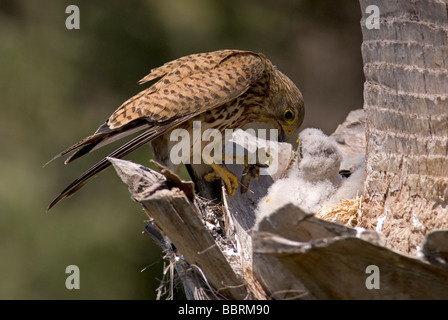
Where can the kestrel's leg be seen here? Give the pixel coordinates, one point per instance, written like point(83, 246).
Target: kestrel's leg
point(227, 177)
point(261, 158)
point(230, 180)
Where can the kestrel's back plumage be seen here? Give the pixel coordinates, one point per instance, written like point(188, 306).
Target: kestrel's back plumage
point(222, 89)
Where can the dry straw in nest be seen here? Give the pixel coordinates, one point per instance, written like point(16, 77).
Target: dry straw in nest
point(346, 211)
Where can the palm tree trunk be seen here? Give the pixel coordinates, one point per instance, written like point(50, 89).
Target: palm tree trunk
point(406, 103)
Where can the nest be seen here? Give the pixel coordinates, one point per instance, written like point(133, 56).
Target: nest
point(347, 211)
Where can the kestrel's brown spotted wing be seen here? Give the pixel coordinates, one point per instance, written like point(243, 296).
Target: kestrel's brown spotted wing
point(191, 86)
point(188, 86)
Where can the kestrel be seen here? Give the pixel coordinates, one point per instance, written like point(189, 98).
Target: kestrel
point(225, 89)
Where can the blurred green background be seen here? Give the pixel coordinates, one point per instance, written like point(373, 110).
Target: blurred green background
point(59, 85)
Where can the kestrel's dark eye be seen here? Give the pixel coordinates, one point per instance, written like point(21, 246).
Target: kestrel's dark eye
point(289, 116)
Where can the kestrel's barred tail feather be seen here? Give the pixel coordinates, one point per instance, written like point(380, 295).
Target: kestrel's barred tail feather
point(87, 143)
point(102, 136)
point(124, 150)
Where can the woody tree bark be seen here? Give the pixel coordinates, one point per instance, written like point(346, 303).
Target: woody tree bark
point(405, 54)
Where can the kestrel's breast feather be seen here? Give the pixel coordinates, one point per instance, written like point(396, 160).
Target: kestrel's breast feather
point(191, 85)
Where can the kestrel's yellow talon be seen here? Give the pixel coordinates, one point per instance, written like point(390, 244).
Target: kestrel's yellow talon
point(210, 176)
point(227, 177)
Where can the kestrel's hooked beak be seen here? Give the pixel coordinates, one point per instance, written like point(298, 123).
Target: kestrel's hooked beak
point(284, 132)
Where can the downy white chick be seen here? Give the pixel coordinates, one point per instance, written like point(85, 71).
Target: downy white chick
point(314, 180)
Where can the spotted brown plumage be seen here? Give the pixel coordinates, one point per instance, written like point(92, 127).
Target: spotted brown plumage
point(224, 89)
